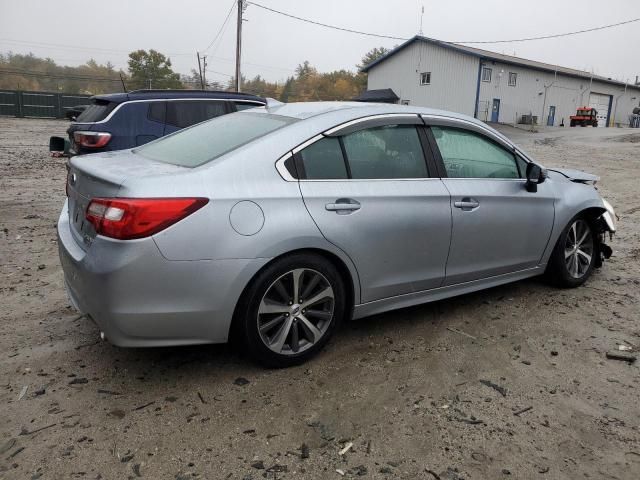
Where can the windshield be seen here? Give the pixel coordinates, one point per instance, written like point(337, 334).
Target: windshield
point(209, 140)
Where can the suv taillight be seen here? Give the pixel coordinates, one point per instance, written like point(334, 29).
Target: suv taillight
point(91, 139)
point(129, 218)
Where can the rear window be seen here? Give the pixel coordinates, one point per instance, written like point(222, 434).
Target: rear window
point(209, 140)
point(97, 111)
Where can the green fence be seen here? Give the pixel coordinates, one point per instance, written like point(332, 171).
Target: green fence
point(17, 103)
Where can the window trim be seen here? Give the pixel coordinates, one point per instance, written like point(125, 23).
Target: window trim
point(487, 69)
point(440, 162)
point(421, 76)
point(515, 79)
point(427, 153)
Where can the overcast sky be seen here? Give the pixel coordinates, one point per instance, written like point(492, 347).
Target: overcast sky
point(274, 45)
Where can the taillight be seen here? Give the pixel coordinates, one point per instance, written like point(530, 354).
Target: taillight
point(129, 218)
point(91, 139)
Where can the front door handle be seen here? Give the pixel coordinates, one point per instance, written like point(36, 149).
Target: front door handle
point(467, 204)
point(343, 206)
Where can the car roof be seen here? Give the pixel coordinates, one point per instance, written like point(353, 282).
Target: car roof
point(305, 110)
point(177, 94)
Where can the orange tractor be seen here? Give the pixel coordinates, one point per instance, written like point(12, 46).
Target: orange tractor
point(584, 116)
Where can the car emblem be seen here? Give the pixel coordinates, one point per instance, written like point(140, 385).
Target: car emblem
point(73, 178)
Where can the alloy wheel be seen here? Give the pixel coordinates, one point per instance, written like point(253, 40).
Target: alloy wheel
point(578, 249)
point(296, 311)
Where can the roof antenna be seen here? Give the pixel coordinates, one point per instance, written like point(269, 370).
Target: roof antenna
point(124, 87)
point(421, 17)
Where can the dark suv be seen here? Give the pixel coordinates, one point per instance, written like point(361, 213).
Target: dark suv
point(125, 120)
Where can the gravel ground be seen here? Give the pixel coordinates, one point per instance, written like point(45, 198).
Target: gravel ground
point(511, 382)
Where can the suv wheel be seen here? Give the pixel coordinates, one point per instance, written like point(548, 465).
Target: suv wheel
point(291, 310)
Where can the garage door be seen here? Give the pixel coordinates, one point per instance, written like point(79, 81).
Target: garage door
point(600, 102)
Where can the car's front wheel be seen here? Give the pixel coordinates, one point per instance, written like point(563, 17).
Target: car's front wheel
point(574, 255)
point(291, 309)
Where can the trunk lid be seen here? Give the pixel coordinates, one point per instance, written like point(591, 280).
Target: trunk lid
point(101, 175)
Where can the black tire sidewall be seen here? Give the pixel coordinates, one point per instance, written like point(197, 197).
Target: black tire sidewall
point(558, 271)
point(252, 297)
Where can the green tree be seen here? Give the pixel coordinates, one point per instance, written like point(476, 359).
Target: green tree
point(287, 90)
point(152, 70)
point(371, 56)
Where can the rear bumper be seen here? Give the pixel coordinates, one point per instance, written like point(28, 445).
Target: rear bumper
point(140, 299)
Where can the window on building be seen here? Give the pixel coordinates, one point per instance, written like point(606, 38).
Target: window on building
point(467, 154)
point(404, 102)
point(486, 74)
point(425, 78)
point(513, 78)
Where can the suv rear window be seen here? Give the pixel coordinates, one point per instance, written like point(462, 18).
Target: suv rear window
point(97, 111)
point(203, 143)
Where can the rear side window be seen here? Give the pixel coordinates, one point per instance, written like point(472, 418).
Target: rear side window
point(323, 160)
point(183, 114)
point(467, 154)
point(157, 111)
point(96, 112)
point(391, 151)
point(205, 142)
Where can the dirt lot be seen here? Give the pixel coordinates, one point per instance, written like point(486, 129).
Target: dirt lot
point(405, 388)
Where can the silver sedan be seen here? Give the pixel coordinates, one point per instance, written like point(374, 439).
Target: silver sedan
point(275, 224)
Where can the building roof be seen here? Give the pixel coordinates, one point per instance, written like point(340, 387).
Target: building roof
point(499, 57)
point(384, 95)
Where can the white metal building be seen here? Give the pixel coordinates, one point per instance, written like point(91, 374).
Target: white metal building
point(497, 88)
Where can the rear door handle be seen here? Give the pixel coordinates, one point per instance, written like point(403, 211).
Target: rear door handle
point(467, 204)
point(343, 206)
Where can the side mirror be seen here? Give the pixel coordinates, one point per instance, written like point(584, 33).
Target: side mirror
point(535, 175)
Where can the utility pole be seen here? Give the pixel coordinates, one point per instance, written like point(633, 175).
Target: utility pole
point(200, 70)
point(239, 44)
point(204, 72)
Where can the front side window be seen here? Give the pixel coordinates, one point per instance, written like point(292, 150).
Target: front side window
point(486, 74)
point(425, 78)
point(513, 77)
point(467, 154)
point(183, 114)
point(391, 151)
point(205, 142)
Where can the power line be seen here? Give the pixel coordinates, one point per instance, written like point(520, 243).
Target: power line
point(62, 76)
point(557, 35)
point(334, 27)
point(391, 37)
point(75, 47)
point(224, 24)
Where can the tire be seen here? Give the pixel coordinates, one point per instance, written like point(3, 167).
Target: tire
point(279, 332)
point(572, 123)
point(563, 270)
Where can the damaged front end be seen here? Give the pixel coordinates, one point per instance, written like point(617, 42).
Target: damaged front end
point(606, 224)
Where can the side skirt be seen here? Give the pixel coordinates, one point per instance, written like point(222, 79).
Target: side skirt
point(416, 298)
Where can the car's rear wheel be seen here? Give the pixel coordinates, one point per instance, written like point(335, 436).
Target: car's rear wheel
point(574, 255)
point(291, 309)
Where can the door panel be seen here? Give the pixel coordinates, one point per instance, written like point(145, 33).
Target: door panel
point(552, 116)
point(504, 229)
point(397, 232)
point(495, 110)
